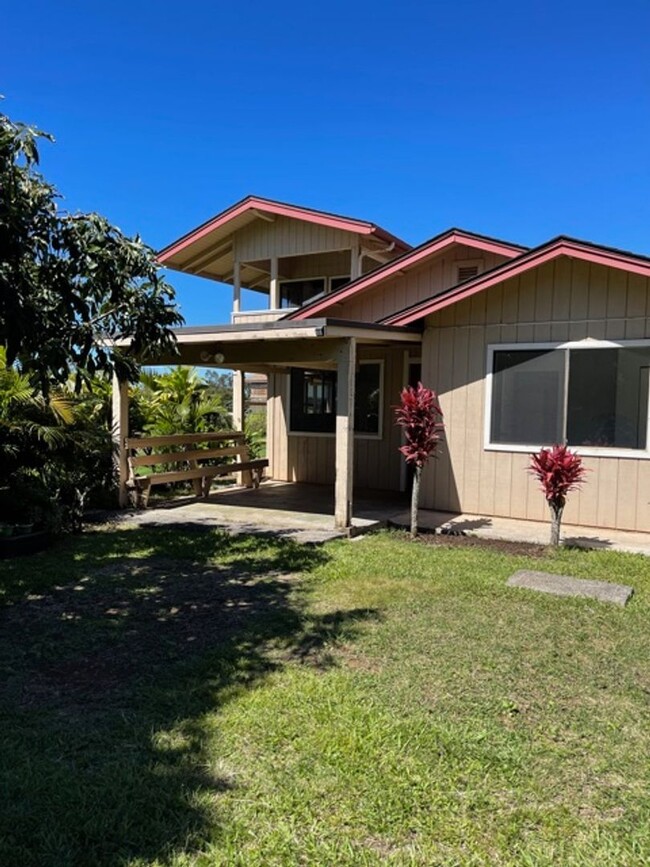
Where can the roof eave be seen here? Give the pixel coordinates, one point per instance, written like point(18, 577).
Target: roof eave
point(405, 262)
point(561, 246)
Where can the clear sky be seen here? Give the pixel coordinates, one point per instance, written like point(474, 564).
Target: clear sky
point(522, 119)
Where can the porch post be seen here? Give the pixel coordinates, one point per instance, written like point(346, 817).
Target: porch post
point(238, 382)
point(274, 297)
point(239, 417)
point(119, 432)
point(346, 369)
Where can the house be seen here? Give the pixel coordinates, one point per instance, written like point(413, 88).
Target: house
point(525, 347)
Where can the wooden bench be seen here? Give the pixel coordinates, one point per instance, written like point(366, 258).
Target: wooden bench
point(183, 458)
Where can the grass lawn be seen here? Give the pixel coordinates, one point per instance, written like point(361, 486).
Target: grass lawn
point(181, 697)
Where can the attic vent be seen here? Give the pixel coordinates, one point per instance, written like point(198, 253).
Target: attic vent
point(466, 272)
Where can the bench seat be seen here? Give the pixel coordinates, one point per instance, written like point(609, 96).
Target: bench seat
point(231, 451)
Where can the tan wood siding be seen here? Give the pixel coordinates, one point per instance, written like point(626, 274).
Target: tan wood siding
point(299, 458)
point(563, 300)
point(413, 286)
point(287, 237)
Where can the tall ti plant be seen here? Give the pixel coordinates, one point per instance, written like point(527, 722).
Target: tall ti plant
point(420, 417)
point(559, 471)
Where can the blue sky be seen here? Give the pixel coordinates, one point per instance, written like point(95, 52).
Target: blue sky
point(517, 119)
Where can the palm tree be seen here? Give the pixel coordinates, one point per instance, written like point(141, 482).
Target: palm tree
point(54, 449)
point(28, 419)
point(179, 401)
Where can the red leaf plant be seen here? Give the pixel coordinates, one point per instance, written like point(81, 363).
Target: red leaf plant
point(420, 417)
point(559, 470)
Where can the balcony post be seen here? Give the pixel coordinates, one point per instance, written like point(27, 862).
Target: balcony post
point(274, 296)
point(355, 261)
point(236, 287)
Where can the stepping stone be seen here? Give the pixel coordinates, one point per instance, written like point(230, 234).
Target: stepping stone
point(565, 585)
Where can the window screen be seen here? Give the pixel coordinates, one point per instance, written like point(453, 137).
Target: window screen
point(585, 397)
point(313, 400)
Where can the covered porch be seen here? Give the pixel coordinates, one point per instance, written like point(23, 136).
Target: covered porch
point(290, 509)
point(275, 349)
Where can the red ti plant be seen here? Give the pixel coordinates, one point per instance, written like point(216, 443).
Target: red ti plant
point(419, 415)
point(559, 470)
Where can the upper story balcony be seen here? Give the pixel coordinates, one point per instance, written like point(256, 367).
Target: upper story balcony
point(286, 284)
point(278, 257)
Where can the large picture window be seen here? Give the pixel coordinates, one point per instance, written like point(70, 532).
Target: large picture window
point(313, 400)
point(593, 398)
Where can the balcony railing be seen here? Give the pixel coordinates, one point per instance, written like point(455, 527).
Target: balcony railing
point(259, 315)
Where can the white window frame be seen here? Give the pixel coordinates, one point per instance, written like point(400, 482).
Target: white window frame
point(358, 436)
point(586, 451)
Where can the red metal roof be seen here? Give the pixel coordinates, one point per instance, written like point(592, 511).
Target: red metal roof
point(251, 204)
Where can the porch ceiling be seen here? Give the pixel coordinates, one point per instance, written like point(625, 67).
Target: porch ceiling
point(254, 347)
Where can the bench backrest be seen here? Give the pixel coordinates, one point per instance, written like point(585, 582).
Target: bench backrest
point(185, 449)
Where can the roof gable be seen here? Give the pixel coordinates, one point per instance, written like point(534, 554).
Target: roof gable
point(212, 237)
point(560, 246)
point(411, 259)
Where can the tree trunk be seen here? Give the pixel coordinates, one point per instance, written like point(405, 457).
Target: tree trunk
point(556, 521)
point(415, 500)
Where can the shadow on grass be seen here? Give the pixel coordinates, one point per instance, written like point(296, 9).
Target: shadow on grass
point(586, 543)
point(106, 675)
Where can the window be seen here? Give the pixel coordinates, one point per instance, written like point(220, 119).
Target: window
point(337, 282)
point(295, 293)
point(595, 397)
point(367, 398)
point(312, 402)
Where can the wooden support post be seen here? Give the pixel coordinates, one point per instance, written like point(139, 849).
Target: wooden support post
point(355, 262)
point(238, 408)
point(239, 416)
point(274, 297)
point(346, 370)
point(271, 432)
point(236, 287)
point(120, 431)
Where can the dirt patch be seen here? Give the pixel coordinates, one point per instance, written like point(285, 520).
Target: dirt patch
point(350, 656)
point(448, 540)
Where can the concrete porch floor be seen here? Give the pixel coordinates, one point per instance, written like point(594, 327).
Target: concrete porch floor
point(300, 511)
point(305, 512)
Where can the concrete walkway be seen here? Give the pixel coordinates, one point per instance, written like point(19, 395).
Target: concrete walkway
point(537, 532)
point(305, 512)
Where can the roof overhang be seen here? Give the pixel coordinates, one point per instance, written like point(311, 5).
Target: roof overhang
point(562, 246)
point(208, 250)
point(333, 329)
point(260, 347)
point(411, 259)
